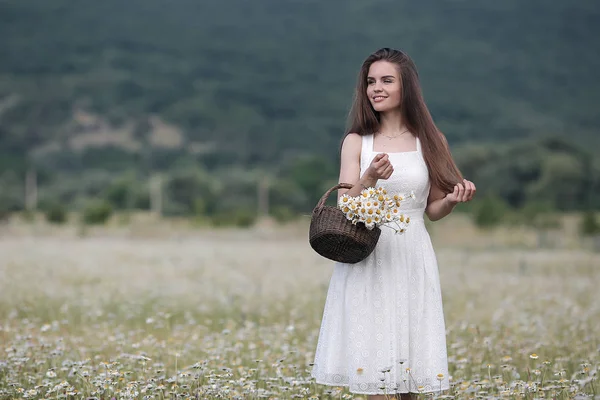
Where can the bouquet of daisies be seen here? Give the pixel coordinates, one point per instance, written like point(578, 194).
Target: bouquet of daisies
point(374, 208)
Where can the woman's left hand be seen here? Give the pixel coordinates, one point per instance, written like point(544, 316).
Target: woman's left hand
point(463, 192)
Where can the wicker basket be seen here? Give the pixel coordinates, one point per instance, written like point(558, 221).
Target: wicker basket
point(334, 237)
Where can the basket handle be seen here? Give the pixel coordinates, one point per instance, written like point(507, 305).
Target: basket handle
point(321, 202)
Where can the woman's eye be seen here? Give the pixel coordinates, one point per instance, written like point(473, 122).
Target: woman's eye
point(388, 81)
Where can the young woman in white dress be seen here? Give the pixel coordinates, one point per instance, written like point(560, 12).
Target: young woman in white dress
point(383, 328)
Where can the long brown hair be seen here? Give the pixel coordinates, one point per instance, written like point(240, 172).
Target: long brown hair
point(364, 120)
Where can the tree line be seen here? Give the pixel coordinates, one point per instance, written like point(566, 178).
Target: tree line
point(547, 174)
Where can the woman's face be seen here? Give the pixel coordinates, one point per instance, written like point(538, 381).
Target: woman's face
point(383, 86)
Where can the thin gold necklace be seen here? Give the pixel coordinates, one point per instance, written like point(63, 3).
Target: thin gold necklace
point(394, 137)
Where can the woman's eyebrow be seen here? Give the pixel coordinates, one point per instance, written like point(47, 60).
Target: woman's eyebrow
point(383, 77)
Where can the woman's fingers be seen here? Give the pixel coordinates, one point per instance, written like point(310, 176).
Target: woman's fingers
point(384, 167)
point(467, 192)
point(376, 162)
point(461, 192)
point(453, 197)
point(378, 159)
point(382, 161)
point(472, 187)
point(386, 172)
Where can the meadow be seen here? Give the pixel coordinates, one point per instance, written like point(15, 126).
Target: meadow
point(168, 312)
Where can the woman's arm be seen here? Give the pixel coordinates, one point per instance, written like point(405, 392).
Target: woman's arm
point(350, 166)
point(380, 167)
point(440, 204)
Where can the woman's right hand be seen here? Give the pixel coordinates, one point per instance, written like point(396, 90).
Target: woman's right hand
point(380, 168)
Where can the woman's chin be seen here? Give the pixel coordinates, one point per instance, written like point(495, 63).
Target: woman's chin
point(382, 107)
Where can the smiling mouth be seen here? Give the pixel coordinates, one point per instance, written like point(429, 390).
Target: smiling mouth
point(379, 98)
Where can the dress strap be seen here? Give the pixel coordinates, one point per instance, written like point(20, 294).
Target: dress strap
point(366, 150)
point(418, 145)
point(369, 140)
point(364, 145)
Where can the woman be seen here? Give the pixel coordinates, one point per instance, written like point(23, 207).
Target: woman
point(383, 329)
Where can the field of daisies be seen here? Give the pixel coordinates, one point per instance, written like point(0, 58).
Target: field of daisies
point(235, 315)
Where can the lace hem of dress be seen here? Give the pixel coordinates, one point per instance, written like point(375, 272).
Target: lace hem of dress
point(371, 388)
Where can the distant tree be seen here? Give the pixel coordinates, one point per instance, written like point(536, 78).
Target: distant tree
point(4, 211)
point(242, 217)
point(309, 173)
point(288, 194)
point(127, 192)
point(283, 214)
point(589, 227)
point(97, 212)
point(185, 187)
point(562, 181)
point(56, 214)
point(539, 215)
point(11, 192)
point(543, 217)
point(490, 212)
point(589, 224)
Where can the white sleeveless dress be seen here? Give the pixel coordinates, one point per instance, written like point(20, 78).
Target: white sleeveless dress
point(383, 329)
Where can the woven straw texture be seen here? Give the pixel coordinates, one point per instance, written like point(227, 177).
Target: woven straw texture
point(334, 237)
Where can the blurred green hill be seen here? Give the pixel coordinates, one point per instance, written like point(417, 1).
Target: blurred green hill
point(156, 85)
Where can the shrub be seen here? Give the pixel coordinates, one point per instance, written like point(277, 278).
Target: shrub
point(127, 193)
point(97, 213)
point(240, 217)
point(28, 215)
point(589, 225)
point(56, 214)
point(4, 214)
point(539, 215)
point(283, 214)
point(490, 212)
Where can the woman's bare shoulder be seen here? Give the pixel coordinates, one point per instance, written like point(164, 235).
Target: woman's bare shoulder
point(352, 143)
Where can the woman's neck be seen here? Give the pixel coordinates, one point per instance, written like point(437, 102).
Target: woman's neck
point(390, 123)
